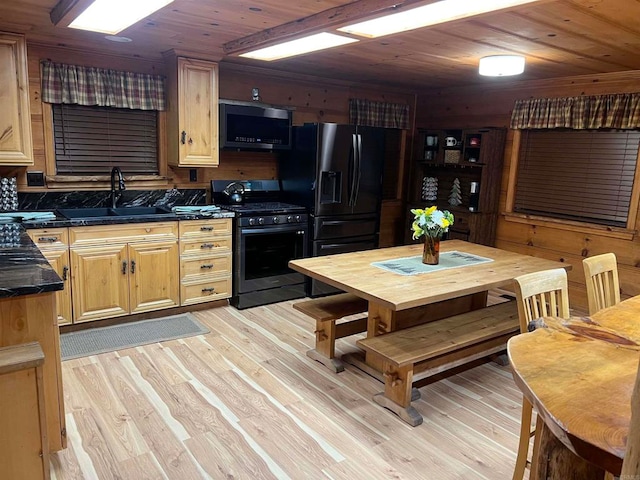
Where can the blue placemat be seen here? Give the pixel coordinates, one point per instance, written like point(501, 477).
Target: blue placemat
point(414, 265)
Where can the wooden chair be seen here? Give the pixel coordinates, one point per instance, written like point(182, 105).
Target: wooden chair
point(601, 278)
point(538, 295)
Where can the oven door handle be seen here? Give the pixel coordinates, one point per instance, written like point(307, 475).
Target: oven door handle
point(288, 228)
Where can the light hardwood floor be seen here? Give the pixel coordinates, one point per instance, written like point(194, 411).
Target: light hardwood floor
point(245, 402)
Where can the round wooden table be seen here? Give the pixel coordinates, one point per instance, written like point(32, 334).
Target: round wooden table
point(579, 375)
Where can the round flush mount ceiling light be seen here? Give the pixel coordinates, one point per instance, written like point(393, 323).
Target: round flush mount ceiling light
point(501, 65)
point(114, 38)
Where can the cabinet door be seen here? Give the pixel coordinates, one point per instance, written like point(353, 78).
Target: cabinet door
point(100, 282)
point(154, 279)
point(198, 113)
point(16, 147)
point(59, 261)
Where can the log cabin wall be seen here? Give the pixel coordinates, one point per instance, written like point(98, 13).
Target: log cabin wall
point(491, 106)
point(313, 99)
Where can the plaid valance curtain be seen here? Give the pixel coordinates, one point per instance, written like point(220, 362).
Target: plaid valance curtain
point(378, 114)
point(619, 111)
point(97, 86)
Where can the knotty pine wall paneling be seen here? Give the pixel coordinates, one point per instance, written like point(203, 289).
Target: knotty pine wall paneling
point(491, 105)
point(313, 99)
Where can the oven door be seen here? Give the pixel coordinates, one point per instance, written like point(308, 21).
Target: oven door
point(262, 255)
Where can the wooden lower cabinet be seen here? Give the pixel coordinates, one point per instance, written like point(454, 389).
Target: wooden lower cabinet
point(59, 261)
point(153, 276)
point(100, 282)
point(113, 277)
point(53, 243)
point(205, 260)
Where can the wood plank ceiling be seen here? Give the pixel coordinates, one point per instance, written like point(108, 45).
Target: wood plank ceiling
point(559, 38)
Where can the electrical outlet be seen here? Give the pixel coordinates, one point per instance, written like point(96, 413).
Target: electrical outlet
point(193, 175)
point(35, 179)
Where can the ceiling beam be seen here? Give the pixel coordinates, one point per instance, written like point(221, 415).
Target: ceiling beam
point(66, 11)
point(341, 15)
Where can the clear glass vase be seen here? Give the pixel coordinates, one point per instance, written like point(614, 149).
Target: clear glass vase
point(431, 251)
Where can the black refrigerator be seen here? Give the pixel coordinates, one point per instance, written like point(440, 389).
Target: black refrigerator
point(336, 172)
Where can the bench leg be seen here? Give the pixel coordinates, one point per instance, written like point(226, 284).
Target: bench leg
point(333, 364)
point(398, 393)
point(325, 350)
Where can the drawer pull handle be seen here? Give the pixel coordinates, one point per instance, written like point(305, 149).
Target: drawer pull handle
point(206, 229)
point(48, 239)
point(133, 266)
point(207, 245)
point(206, 266)
point(124, 267)
point(65, 273)
point(208, 290)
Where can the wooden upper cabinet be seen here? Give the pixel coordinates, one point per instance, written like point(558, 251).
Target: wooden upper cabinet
point(193, 113)
point(16, 145)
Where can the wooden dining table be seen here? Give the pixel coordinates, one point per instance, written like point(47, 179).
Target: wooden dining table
point(579, 375)
point(397, 301)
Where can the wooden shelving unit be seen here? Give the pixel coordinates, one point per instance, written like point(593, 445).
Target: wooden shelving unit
point(476, 156)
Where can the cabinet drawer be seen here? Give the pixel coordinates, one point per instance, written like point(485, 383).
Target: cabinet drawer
point(207, 291)
point(192, 268)
point(50, 238)
point(205, 228)
point(204, 246)
point(110, 234)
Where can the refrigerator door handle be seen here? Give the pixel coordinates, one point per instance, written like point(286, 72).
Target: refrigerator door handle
point(353, 169)
point(358, 170)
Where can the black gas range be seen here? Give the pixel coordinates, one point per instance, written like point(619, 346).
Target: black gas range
point(267, 235)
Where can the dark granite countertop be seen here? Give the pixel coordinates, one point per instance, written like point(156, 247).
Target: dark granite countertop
point(61, 222)
point(24, 269)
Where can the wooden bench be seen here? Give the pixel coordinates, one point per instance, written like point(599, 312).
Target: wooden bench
point(434, 347)
point(326, 311)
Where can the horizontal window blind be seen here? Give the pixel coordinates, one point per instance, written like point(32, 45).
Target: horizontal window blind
point(92, 140)
point(582, 175)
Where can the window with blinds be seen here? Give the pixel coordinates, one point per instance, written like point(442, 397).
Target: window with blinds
point(92, 140)
point(582, 175)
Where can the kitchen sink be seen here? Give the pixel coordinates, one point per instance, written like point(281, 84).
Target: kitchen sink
point(127, 211)
point(74, 213)
point(90, 213)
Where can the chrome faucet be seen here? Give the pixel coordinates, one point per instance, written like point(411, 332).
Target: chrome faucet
point(114, 198)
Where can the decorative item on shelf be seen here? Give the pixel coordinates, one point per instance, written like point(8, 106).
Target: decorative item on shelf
point(451, 142)
point(474, 196)
point(431, 224)
point(455, 197)
point(429, 155)
point(451, 156)
point(431, 141)
point(8, 194)
point(474, 141)
point(429, 188)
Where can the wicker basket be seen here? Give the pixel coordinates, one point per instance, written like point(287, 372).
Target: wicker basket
point(451, 156)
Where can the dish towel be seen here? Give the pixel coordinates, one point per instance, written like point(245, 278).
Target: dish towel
point(205, 210)
point(13, 217)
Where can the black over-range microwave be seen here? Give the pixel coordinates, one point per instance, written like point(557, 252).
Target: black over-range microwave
point(247, 126)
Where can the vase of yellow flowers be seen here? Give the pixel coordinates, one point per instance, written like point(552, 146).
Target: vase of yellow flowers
point(431, 224)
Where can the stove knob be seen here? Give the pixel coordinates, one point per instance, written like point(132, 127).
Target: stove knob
point(276, 219)
point(289, 219)
point(252, 221)
point(261, 221)
point(298, 219)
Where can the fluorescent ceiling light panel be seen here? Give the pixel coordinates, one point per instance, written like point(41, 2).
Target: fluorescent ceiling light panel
point(432, 14)
point(113, 16)
point(501, 65)
point(312, 43)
